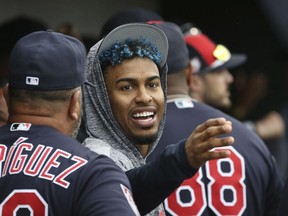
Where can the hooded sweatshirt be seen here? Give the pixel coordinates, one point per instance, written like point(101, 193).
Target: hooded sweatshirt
point(105, 136)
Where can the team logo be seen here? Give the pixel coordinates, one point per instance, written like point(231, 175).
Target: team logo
point(20, 127)
point(184, 103)
point(130, 199)
point(32, 80)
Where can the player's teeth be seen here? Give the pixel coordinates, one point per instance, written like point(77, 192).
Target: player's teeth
point(144, 114)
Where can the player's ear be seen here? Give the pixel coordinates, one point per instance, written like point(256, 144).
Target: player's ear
point(75, 105)
point(195, 83)
point(192, 78)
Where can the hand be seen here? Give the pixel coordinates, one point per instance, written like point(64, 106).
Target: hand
point(204, 138)
point(271, 126)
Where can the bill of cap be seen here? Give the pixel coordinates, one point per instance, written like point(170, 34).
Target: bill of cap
point(234, 61)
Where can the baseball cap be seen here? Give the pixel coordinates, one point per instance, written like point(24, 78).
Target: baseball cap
point(178, 57)
point(47, 60)
point(129, 15)
point(135, 31)
point(206, 56)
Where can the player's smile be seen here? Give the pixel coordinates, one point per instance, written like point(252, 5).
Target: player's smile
point(144, 118)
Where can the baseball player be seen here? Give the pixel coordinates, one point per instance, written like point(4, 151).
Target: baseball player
point(246, 183)
point(125, 113)
point(44, 171)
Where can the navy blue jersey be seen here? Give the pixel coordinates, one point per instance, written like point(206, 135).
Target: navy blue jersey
point(248, 183)
point(283, 206)
point(47, 173)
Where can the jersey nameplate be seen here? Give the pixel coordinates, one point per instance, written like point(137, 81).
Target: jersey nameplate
point(39, 161)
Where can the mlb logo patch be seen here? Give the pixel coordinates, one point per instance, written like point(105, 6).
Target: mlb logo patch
point(184, 103)
point(20, 127)
point(32, 80)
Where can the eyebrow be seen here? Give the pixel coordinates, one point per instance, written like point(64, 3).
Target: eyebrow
point(132, 79)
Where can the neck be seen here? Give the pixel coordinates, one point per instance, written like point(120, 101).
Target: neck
point(144, 149)
point(2, 123)
point(196, 96)
point(174, 96)
point(40, 120)
point(173, 90)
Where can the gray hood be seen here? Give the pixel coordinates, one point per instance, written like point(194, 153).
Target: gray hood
point(105, 134)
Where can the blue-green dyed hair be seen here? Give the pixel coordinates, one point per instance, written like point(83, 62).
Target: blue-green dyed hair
point(129, 49)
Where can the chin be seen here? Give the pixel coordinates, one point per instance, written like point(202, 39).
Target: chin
point(146, 139)
point(226, 104)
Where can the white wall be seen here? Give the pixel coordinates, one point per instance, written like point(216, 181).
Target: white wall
point(86, 15)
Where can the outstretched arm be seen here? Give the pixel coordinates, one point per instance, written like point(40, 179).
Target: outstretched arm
point(156, 180)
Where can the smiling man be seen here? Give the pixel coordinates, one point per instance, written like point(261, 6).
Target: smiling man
point(125, 115)
point(137, 80)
